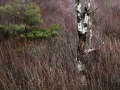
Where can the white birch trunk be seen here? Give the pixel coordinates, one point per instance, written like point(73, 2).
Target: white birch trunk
point(83, 25)
point(86, 23)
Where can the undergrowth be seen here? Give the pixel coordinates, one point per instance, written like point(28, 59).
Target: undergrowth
point(49, 64)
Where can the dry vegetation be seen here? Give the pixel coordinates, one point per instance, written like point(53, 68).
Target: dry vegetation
point(49, 64)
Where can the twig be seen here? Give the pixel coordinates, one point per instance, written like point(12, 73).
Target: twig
point(93, 11)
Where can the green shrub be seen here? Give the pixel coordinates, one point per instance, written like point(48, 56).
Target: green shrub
point(22, 36)
point(32, 14)
point(27, 32)
point(30, 36)
point(28, 13)
point(27, 23)
point(15, 29)
point(3, 29)
point(53, 29)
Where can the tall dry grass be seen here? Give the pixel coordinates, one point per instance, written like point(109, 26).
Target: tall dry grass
point(49, 64)
point(102, 66)
point(43, 65)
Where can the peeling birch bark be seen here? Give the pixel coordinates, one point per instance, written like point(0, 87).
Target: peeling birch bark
point(84, 27)
point(84, 23)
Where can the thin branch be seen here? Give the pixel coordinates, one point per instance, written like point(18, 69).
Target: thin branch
point(93, 11)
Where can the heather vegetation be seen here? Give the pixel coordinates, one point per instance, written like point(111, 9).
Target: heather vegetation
point(32, 59)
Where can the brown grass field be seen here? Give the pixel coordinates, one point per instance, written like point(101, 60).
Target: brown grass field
point(49, 64)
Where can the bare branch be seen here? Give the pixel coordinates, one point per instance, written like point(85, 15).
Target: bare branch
point(93, 11)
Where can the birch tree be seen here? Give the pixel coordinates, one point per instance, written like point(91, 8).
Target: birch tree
point(84, 23)
point(84, 27)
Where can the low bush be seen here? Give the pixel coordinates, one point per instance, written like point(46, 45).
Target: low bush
point(25, 22)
